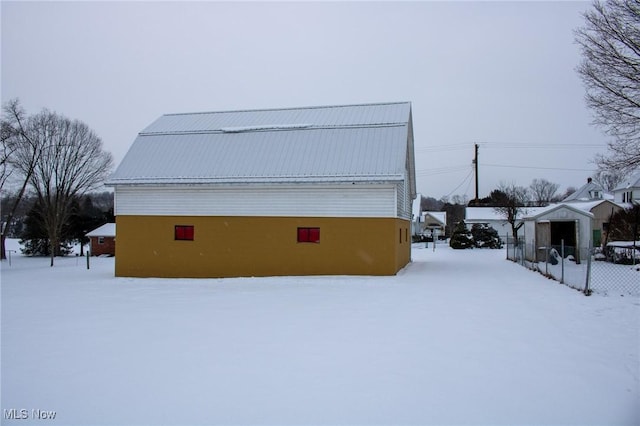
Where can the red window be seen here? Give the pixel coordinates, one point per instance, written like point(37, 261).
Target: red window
point(184, 232)
point(308, 235)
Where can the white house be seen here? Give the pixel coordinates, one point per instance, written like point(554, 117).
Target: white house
point(628, 191)
point(488, 216)
point(590, 191)
point(435, 222)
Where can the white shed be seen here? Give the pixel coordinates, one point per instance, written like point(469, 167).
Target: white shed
point(555, 225)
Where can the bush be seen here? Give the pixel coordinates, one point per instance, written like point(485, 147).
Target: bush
point(485, 236)
point(461, 237)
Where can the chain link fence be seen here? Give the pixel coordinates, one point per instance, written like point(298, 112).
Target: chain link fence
point(612, 271)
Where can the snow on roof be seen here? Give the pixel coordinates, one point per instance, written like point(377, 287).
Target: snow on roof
point(322, 116)
point(106, 230)
point(586, 192)
point(536, 212)
point(587, 206)
point(632, 182)
point(478, 214)
point(415, 207)
point(321, 144)
point(439, 216)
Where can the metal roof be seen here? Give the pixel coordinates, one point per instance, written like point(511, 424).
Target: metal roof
point(321, 144)
point(323, 116)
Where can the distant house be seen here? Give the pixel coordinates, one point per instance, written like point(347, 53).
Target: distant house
point(590, 191)
point(628, 191)
point(103, 240)
point(417, 224)
point(488, 216)
point(435, 222)
point(295, 191)
point(602, 211)
point(425, 222)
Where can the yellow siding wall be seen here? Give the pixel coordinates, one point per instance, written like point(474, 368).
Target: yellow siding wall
point(260, 246)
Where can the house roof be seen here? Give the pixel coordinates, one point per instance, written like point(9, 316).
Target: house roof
point(480, 214)
point(631, 182)
point(369, 142)
point(415, 207)
point(441, 217)
point(585, 192)
point(587, 206)
point(106, 230)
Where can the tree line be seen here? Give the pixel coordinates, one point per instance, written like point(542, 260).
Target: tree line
point(56, 161)
point(88, 212)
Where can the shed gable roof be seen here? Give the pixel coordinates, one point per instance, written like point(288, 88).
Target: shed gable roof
point(539, 212)
point(371, 142)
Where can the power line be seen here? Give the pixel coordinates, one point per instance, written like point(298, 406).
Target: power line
point(441, 170)
point(541, 146)
point(538, 168)
point(461, 183)
point(508, 145)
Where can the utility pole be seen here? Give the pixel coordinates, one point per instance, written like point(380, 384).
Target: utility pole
point(475, 163)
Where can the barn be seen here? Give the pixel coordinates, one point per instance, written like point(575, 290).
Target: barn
point(294, 191)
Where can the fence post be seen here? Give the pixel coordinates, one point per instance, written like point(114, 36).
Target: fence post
point(546, 261)
point(87, 259)
point(587, 290)
point(562, 260)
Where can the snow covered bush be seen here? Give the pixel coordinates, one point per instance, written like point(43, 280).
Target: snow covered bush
point(461, 237)
point(485, 236)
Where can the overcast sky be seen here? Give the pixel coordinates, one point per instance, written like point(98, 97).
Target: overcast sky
point(500, 74)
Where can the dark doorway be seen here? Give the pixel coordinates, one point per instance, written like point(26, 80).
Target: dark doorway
point(564, 231)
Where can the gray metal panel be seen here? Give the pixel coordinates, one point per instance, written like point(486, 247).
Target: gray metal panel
point(326, 116)
point(335, 154)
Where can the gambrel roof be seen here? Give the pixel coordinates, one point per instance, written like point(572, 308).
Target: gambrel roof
point(352, 143)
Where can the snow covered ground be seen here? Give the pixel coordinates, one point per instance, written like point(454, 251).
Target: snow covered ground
point(457, 337)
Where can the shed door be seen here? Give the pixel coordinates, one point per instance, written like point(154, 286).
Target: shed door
point(543, 239)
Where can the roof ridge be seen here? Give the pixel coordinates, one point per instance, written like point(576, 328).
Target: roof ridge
point(274, 128)
point(287, 108)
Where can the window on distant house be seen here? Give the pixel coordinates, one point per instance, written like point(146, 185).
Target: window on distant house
point(309, 235)
point(184, 232)
point(100, 240)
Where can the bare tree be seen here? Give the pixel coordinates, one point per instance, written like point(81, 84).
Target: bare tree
point(542, 191)
point(512, 205)
point(21, 156)
point(7, 148)
point(70, 162)
point(609, 179)
point(610, 71)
